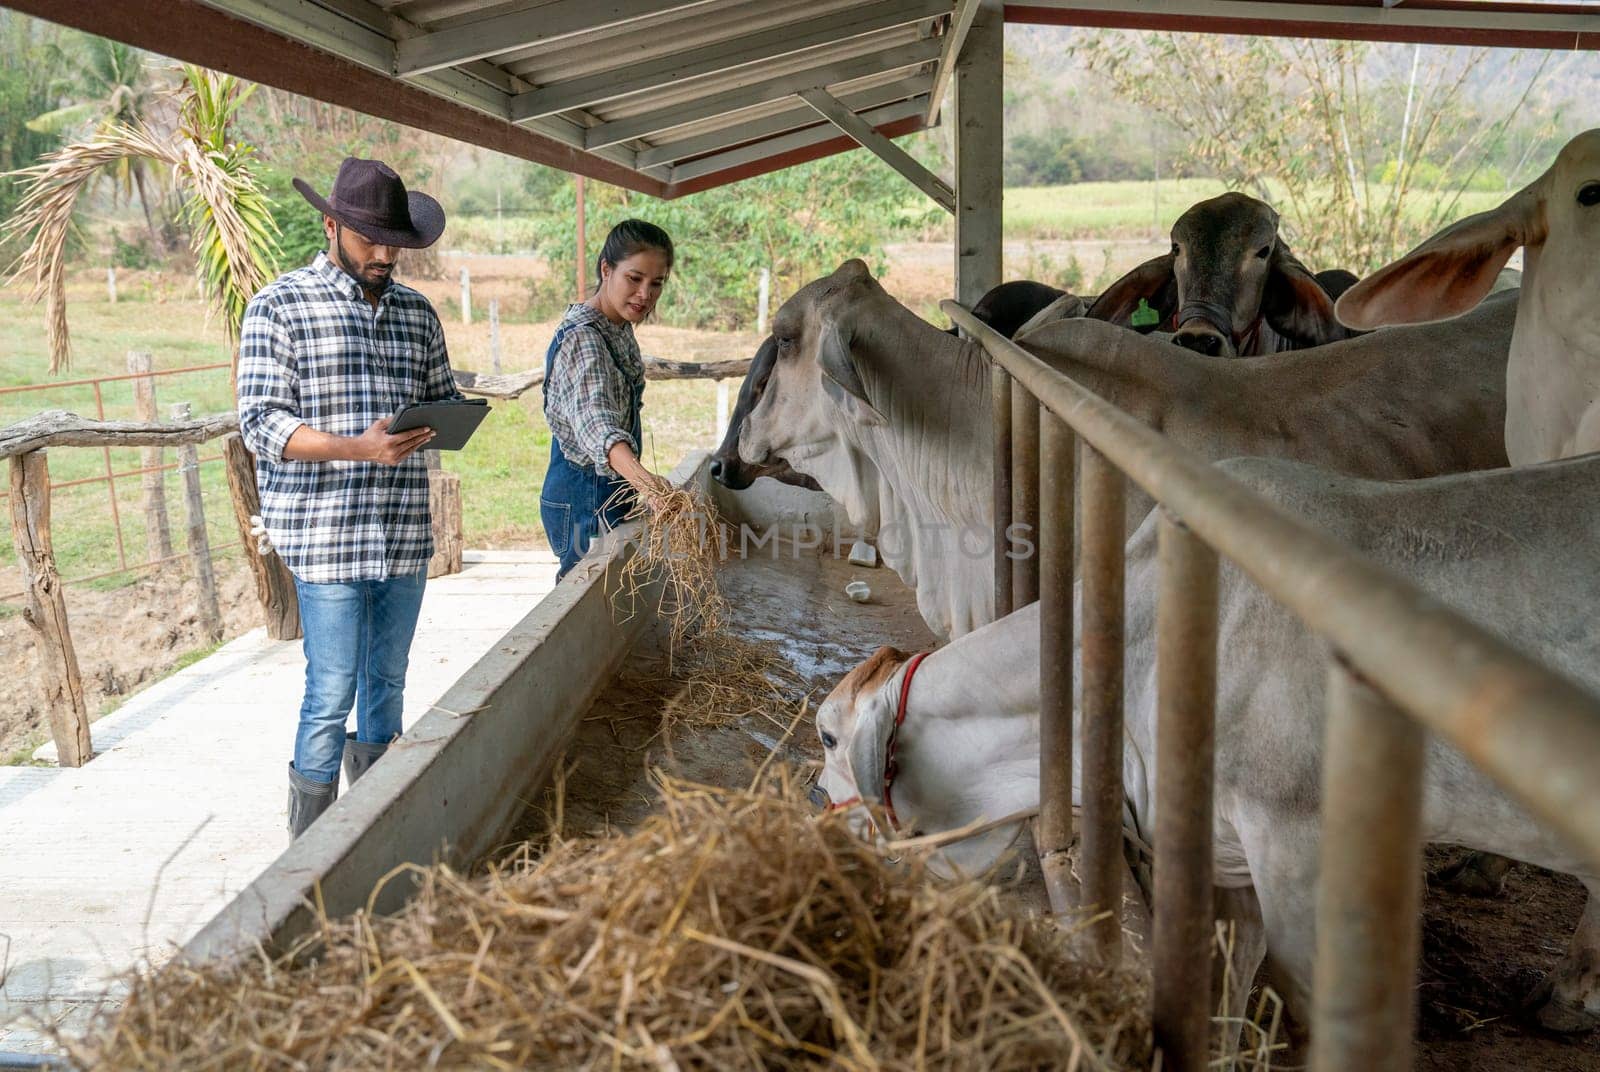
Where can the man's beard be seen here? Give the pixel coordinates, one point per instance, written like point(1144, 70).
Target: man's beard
point(346, 264)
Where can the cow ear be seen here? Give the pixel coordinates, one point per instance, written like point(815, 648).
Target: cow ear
point(869, 744)
point(1295, 305)
point(1155, 281)
point(1450, 272)
point(840, 379)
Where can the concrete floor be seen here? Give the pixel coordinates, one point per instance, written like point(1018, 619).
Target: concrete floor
point(119, 862)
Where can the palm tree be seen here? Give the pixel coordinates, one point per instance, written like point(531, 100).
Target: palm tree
point(122, 93)
point(230, 228)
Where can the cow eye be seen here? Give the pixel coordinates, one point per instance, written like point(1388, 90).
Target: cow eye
point(1174, 249)
point(1264, 252)
point(828, 739)
point(1589, 195)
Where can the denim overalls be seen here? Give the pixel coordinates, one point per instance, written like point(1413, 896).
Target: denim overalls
point(572, 504)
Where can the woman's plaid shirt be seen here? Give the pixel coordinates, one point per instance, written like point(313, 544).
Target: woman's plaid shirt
point(313, 351)
point(588, 397)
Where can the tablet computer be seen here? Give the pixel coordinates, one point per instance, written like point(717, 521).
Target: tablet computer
point(452, 421)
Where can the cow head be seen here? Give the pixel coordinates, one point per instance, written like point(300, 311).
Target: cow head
point(1227, 273)
point(936, 788)
point(732, 471)
point(812, 365)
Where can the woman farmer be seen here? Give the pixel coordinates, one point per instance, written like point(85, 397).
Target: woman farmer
point(593, 389)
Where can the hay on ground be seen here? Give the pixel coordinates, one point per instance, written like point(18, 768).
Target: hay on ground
point(731, 931)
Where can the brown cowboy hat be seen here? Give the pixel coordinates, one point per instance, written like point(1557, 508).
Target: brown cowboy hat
point(369, 198)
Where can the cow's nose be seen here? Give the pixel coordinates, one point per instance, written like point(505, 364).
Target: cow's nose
point(819, 797)
point(1201, 342)
point(716, 468)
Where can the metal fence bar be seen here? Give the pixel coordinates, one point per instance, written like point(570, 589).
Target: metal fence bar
point(111, 483)
point(120, 474)
point(1055, 675)
point(1000, 389)
point(1100, 545)
point(1025, 495)
point(141, 567)
point(1186, 687)
point(1370, 893)
point(21, 388)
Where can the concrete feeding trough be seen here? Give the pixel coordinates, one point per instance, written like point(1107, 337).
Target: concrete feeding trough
point(471, 774)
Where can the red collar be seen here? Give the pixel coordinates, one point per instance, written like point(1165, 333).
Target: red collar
point(891, 768)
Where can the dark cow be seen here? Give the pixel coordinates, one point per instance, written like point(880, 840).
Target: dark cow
point(1230, 287)
point(1010, 305)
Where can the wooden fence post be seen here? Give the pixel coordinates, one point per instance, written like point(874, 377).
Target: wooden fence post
point(46, 611)
point(494, 334)
point(274, 582)
point(444, 505)
point(157, 531)
point(466, 296)
point(199, 544)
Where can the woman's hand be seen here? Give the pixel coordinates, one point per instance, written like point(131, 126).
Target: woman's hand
point(651, 489)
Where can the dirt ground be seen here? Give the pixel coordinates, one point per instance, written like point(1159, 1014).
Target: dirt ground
point(1480, 959)
point(126, 639)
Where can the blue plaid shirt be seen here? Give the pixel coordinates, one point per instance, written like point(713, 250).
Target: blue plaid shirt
point(313, 351)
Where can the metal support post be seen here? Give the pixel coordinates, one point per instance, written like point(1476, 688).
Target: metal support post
point(1186, 684)
point(1055, 660)
point(1102, 568)
point(1370, 890)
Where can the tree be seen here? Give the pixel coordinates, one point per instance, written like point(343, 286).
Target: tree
point(1361, 161)
point(29, 83)
point(229, 220)
point(800, 223)
point(121, 91)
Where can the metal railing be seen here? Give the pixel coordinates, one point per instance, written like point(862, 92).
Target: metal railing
point(1402, 665)
point(109, 475)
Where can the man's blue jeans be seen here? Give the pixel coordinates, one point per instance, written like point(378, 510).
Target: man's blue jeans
point(357, 644)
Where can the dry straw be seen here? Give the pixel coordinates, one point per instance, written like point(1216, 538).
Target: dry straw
point(677, 549)
point(731, 931)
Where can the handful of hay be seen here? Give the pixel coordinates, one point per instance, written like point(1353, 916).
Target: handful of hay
point(733, 930)
point(680, 546)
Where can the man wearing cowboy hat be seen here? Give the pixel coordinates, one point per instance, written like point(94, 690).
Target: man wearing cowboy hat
point(327, 354)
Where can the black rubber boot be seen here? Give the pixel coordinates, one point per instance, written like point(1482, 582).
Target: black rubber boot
point(307, 800)
point(359, 756)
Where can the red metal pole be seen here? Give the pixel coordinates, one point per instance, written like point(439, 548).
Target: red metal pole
point(111, 483)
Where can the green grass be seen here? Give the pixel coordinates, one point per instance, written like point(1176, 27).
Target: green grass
point(1120, 209)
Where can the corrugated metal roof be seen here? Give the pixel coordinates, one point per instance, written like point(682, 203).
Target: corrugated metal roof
point(670, 95)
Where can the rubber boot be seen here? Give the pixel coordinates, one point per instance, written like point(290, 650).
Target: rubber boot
point(307, 800)
point(359, 756)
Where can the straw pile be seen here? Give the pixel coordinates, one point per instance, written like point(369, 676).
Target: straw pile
point(731, 931)
point(679, 548)
point(711, 682)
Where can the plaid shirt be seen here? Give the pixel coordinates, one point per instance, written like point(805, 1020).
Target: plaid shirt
point(588, 396)
point(314, 352)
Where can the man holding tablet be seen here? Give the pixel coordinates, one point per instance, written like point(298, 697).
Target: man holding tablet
point(327, 354)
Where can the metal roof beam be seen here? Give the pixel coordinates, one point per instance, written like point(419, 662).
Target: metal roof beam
point(760, 92)
point(834, 111)
point(514, 30)
point(628, 79)
point(954, 38)
point(800, 139)
point(780, 123)
point(1553, 26)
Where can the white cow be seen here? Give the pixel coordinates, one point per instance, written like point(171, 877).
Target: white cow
point(1513, 549)
point(892, 417)
point(1553, 389)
